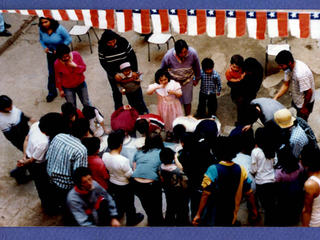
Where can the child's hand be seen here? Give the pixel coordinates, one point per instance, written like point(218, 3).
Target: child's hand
point(135, 75)
point(169, 91)
point(127, 107)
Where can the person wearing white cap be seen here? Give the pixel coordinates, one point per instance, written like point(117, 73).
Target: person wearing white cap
point(298, 139)
point(129, 85)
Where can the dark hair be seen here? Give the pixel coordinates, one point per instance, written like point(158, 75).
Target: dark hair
point(166, 155)
point(54, 24)
point(142, 126)
point(237, 60)
point(68, 109)
point(153, 140)
point(253, 113)
point(161, 72)
point(80, 127)
point(92, 144)
point(61, 50)
point(180, 45)
point(52, 124)
point(207, 63)
point(78, 174)
point(224, 149)
point(178, 130)
point(115, 139)
point(107, 36)
point(284, 57)
point(89, 112)
point(287, 162)
point(251, 65)
point(264, 140)
point(5, 102)
point(310, 158)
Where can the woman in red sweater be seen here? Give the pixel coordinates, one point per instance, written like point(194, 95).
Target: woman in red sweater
point(69, 69)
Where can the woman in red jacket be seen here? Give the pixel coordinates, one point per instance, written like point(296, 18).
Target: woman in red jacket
point(70, 80)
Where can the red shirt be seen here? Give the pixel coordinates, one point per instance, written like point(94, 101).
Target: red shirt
point(98, 170)
point(124, 119)
point(69, 77)
point(155, 122)
point(232, 74)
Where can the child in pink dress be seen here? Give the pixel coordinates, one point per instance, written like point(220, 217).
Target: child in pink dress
point(168, 92)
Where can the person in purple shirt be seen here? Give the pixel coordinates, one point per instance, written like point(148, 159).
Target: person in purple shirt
point(183, 64)
point(51, 34)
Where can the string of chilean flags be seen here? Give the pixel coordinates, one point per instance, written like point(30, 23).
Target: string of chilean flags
point(194, 22)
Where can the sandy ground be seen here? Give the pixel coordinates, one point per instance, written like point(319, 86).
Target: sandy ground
point(23, 77)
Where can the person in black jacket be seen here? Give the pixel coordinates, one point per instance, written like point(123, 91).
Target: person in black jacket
point(113, 51)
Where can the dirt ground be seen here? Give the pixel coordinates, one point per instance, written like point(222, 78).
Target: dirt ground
point(23, 77)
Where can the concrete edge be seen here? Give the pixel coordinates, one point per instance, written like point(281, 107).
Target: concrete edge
point(16, 34)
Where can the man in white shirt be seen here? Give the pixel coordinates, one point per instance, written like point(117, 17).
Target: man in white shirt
point(14, 125)
point(120, 172)
point(300, 76)
point(34, 151)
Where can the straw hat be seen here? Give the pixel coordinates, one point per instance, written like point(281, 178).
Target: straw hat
point(284, 118)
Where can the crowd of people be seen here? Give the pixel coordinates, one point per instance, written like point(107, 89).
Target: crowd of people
point(207, 176)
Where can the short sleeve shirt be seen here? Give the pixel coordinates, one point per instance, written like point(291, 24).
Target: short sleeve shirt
point(302, 80)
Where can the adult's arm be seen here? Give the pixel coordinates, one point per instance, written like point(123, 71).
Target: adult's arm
point(307, 98)
point(311, 191)
point(41, 40)
point(65, 35)
point(285, 86)
point(196, 67)
point(127, 170)
point(78, 212)
point(81, 66)
point(58, 75)
point(132, 58)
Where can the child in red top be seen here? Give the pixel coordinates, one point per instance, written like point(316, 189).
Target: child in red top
point(234, 72)
point(95, 163)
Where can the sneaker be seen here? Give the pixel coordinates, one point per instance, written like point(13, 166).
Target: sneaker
point(7, 25)
point(51, 97)
point(138, 218)
point(5, 33)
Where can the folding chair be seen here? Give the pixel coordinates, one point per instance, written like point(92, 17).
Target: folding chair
point(274, 49)
point(159, 38)
point(78, 30)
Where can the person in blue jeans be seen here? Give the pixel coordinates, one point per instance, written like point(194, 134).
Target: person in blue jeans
point(210, 87)
point(3, 27)
point(52, 34)
point(70, 80)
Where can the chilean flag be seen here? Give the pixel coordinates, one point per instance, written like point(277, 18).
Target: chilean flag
point(196, 22)
point(256, 24)
point(75, 15)
point(106, 19)
point(315, 25)
point(236, 23)
point(299, 24)
point(124, 20)
point(215, 22)
point(277, 24)
point(160, 20)
point(178, 20)
point(141, 21)
point(60, 15)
